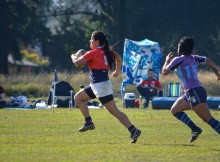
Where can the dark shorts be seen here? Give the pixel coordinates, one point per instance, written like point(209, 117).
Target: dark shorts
point(103, 100)
point(196, 96)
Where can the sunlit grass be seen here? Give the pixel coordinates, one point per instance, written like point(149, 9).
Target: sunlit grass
point(41, 135)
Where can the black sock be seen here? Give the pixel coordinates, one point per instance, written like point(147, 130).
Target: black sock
point(88, 119)
point(131, 128)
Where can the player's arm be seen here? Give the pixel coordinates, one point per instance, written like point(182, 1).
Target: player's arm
point(118, 63)
point(169, 57)
point(213, 66)
point(158, 86)
point(78, 60)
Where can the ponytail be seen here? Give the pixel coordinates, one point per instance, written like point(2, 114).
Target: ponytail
point(108, 54)
point(99, 35)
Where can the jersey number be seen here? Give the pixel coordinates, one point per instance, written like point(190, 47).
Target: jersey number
point(187, 69)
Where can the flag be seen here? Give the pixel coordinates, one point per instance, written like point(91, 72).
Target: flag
point(138, 57)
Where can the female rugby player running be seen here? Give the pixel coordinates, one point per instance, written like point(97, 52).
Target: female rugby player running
point(100, 60)
point(195, 95)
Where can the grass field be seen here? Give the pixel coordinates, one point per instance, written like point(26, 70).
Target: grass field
point(44, 135)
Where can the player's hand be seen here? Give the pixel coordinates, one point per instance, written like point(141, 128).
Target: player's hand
point(115, 74)
point(73, 57)
point(169, 57)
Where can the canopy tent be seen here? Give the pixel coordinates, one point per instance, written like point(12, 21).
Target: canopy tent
point(138, 57)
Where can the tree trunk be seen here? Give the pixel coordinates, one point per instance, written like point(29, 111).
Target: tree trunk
point(3, 39)
point(3, 55)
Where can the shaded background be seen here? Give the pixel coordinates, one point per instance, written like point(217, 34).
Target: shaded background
point(58, 28)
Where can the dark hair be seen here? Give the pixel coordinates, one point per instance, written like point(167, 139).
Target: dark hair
point(151, 70)
point(186, 45)
point(99, 35)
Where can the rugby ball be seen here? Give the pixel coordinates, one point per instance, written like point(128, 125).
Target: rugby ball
point(78, 54)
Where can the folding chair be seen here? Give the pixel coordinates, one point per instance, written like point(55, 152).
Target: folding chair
point(174, 89)
point(59, 91)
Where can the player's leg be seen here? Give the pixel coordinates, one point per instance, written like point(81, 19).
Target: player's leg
point(177, 110)
point(80, 99)
point(109, 103)
point(203, 112)
point(147, 98)
point(144, 92)
point(199, 99)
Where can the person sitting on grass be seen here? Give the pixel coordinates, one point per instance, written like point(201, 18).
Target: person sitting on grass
point(149, 88)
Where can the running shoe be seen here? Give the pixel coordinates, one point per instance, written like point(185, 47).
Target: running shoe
point(134, 135)
point(87, 126)
point(195, 134)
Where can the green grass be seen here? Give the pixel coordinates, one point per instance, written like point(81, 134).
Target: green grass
point(41, 135)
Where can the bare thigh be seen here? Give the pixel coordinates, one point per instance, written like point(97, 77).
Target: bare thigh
point(81, 96)
point(202, 110)
point(180, 105)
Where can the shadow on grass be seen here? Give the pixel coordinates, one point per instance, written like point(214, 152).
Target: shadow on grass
point(191, 145)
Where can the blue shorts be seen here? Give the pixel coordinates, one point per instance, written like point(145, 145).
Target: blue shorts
point(196, 96)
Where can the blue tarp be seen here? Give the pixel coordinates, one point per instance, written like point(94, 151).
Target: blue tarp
point(138, 57)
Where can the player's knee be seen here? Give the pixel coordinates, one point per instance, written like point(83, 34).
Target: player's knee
point(173, 111)
point(78, 100)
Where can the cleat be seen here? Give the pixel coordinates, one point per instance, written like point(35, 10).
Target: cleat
point(87, 126)
point(195, 134)
point(135, 135)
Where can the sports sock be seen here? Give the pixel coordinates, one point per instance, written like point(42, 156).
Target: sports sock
point(186, 120)
point(215, 124)
point(88, 119)
point(132, 128)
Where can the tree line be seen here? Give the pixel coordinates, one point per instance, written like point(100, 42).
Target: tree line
point(62, 27)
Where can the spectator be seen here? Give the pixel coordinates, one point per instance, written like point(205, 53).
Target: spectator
point(2, 97)
point(149, 88)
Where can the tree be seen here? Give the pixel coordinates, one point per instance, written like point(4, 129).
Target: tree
point(20, 25)
point(166, 22)
point(74, 21)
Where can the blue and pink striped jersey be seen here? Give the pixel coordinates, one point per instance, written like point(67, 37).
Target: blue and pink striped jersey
point(186, 67)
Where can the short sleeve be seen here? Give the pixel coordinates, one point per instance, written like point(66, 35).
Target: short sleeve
point(158, 84)
point(88, 55)
point(200, 59)
point(174, 63)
